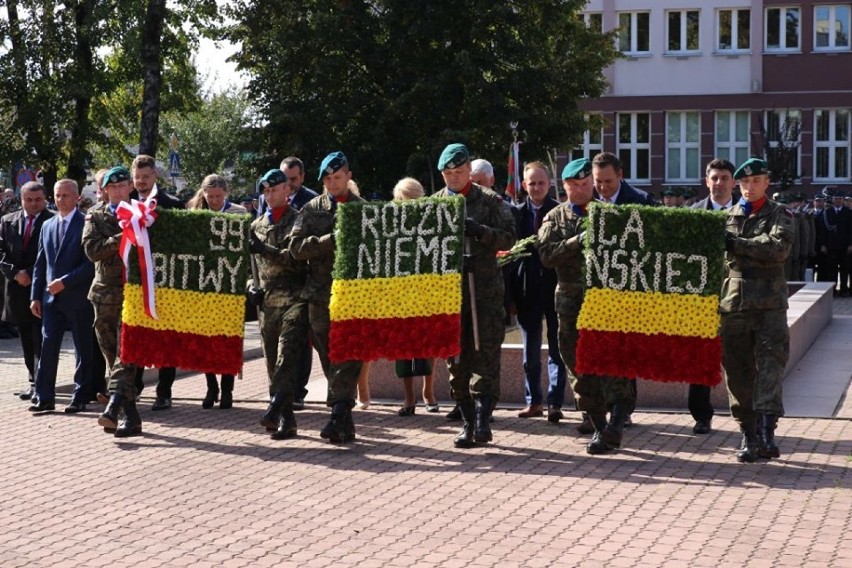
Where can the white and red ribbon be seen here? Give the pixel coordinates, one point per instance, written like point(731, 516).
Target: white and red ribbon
point(135, 218)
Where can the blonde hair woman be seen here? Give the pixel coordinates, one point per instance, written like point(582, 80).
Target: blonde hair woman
point(406, 369)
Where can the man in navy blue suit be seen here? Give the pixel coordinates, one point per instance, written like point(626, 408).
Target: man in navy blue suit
point(19, 232)
point(532, 289)
point(61, 280)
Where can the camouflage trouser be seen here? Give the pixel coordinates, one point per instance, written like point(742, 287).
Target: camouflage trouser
point(343, 376)
point(755, 350)
point(284, 333)
point(107, 325)
point(592, 393)
point(476, 373)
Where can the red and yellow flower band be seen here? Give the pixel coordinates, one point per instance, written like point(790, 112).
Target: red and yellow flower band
point(199, 271)
point(653, 279)
point(397, 283)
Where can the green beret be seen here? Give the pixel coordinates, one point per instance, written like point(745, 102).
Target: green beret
point(332, 163)
point(115, 175)
point(453, 156)
point(272, 178)
point(752, 167)
point(577, 169)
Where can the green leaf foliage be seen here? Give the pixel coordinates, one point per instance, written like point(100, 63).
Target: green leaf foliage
point(663, 231)
point(370, 236)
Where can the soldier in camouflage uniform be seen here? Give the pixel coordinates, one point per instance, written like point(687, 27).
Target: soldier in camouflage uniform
point(755, 336)
point(312, 240)
point(489, 227)
point(101, 238)
point(560, 246)
point(283, 311)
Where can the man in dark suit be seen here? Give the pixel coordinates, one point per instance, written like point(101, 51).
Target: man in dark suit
point(61, 280)
point(834, 233)
point(144, 173)
point(532, 289)
point(610, 187)
point(19, 234)
point(720, 183)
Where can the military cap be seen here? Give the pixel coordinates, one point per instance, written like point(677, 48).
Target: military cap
point(115, 175)
point(840, 193)
point(670, 192)
point(688, 193)
point(819, 197)
point(752, 167)
point(828, 191)
point(272, 178)
point(332, 163)
point(453, 156)
point(247, 198)
point(577, 169)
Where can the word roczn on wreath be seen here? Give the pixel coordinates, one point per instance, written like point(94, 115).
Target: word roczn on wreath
point(391, 238)
point(640, 270)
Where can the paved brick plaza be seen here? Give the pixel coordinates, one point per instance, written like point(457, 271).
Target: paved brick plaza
point(209, 488)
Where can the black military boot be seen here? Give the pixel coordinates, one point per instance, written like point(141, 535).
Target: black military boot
point(748, 447)
point(454, 414)
point(586, 426)
point(226, 401)
point(597, 446)
point(349, 435)
point(337, 430)
point(467, 408)
point(287, 425)
point(109, 417)
point(212, 395)
point(614, 431)
point(131, 424)
point(766, 437)
point(272, 416)
point(482, 430)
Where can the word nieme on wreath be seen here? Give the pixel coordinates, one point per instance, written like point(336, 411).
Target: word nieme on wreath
point(399, 240)
point(202, 273)
point(620, 261)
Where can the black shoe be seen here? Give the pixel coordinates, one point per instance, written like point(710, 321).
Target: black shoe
point(42, 406)
point(748, 446)
point(554, 414)
point(586, 427)
point(701, 427)
point(467, 411)
point(482, 429)
point(407, 410)
point(299, 404)
point(131, 425)
point(27, 394)
point(766, 437)
point(75, 406)
point(598, 445)
point(337, 431)
point(212, 395)
point(227, 399)
point(287, 427)
point(454, 414)
point(161, 403)
point(109, 417)
point(271, 418)
point(614, 431)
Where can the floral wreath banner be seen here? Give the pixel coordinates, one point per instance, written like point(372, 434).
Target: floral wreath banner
point(653, 279)
point(200, 266)
point(397, 291)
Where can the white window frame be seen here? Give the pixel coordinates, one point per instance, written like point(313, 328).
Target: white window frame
point(735, 29)
point(633, 35)
point(683, 33)
point(731, 146)
point(832, 17)
point(633, 147)
point(831, 144)
point(588, 149)
point(782, 31)
point(683, 146)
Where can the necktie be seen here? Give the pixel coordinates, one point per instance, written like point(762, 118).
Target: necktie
point(537, 219)
point(62, 231)
point(28, 229)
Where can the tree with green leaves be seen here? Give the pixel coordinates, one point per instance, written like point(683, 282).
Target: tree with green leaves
point(391, 82)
